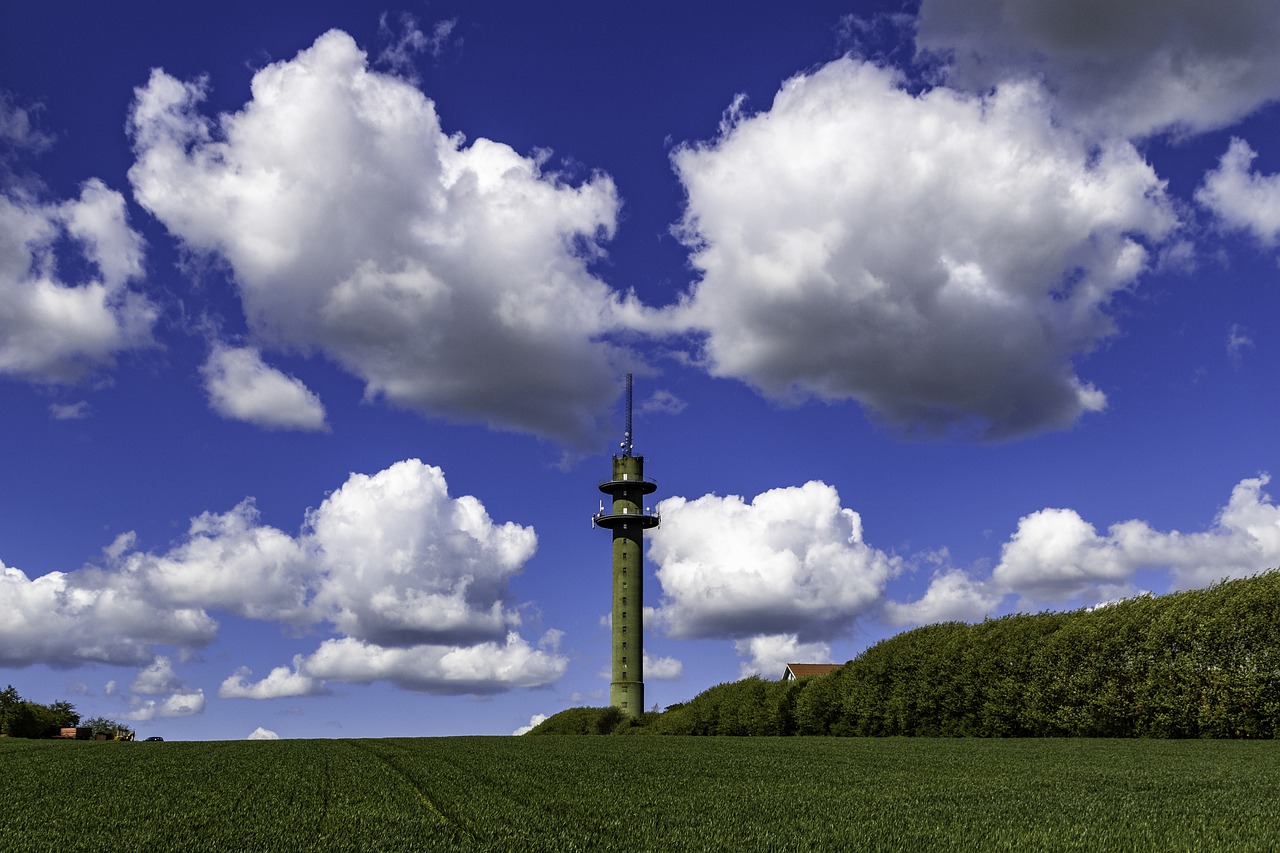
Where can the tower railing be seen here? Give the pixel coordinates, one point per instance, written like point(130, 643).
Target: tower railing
point(609, 519)
point(647, 483)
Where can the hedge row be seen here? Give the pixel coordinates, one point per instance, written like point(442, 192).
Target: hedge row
point(1202, 663)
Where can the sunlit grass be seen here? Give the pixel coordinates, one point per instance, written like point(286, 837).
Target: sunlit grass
point(602, 793)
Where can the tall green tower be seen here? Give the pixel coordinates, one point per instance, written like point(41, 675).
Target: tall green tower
point(628, 518)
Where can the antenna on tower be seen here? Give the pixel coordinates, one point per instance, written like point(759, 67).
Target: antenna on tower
point(626, 436)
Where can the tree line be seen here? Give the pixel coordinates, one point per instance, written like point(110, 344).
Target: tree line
point(1201, 663)
point(23, 718)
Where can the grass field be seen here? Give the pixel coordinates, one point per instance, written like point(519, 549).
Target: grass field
point(640, 793)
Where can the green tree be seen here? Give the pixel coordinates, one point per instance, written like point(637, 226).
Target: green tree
point(22, 718)
point(9, 701)
point(1201, 663)
point(32, 720)
point(104, 726)
point(582, 721)
point(64, 714)
point(817, 704)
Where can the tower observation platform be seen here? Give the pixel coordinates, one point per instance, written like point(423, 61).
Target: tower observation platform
point(627, 517)
point(625, 491)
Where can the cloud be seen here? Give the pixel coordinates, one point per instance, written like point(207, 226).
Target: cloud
point(1056, 558)
point(662, 669)
point(97, 221)
point(177, 705)
point(390, 558)
point(1055, 551)
point(451, 278)
point(53, 330)
point(939, 257)
point(534, 721)
point(415, 581)
point(769, 655)
point(1238, 340)
point(1135, 68)
point(18, 128)
point(243, 388)
point(404, 46)
point(663, 402)
point(1242, 199)
point(64, 619)
point(1244, 539)
point(228, 561)
point(157, 679)
point(77, 411)
point(481, 668)
point(791, 561)
point(952, 595)
point(280, 682)
point(406, 564)
point(262, 734)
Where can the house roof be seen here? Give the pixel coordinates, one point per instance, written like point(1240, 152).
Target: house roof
point(804, 670)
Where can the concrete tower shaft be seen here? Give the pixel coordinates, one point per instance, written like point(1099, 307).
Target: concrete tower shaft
point(628, 519)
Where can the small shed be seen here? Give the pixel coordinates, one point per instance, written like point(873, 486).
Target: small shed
point(806, 670)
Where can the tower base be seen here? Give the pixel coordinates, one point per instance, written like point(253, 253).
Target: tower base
point(627, 696)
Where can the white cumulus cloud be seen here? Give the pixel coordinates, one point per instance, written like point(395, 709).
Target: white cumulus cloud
point(405, 564)
point(534, 721)
point(662, 668)
point(91, 616)
point(481, 668)
point(241, 386)
point(1243, 539)
point(790, 561)
point(1057, 559)
point(228, 561)
point(280, 682)
point(261, 733)
point(177, 705)
point(452, 278)
point(157, 679)
point(415, 582)
point(952, 595)
point(54, 330)
point(768, 655)
point(939, 257)
point(1241, 198)
point(1055, 551)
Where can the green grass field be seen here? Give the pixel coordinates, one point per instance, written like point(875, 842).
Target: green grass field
point(640, 793)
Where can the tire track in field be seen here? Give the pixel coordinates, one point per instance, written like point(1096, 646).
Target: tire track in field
point(422, 794)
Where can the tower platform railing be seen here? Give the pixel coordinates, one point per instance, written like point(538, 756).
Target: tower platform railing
point(609, 519)
point(615, 484)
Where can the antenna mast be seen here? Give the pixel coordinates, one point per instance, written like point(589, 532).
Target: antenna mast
point(626, 436)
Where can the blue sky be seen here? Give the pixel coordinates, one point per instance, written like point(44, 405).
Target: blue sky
point(313, 324)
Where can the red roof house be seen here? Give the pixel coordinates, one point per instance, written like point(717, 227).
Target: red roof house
point(806, 670)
